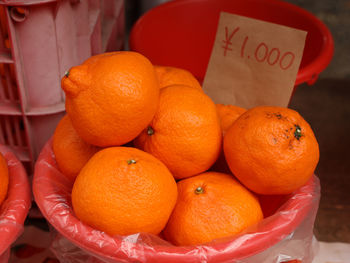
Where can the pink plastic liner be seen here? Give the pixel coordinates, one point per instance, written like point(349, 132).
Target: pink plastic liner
point(286, 235)
point(15, 207)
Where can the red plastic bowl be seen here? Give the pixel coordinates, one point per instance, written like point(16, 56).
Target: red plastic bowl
point(181, 33)
point(52, 193)
point(15, 207)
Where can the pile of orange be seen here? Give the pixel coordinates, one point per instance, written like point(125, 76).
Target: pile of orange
point(165, 181)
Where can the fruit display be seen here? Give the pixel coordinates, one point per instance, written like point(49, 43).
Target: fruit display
point(123, 191)
point(71, 152)
point(168, 76)
point(164, 181)
point(211, 206)
point(111, 97)
point(276, 152)
point(228, 114)
point(185, 132)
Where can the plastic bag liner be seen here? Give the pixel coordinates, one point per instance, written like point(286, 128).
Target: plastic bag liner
point(15, 207)
point(285, 235)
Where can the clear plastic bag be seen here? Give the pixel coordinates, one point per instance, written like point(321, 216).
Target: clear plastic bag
point(14, 209)
point(285, 235)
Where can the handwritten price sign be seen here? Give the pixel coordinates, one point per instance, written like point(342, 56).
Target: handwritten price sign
point(262, 52)
point(253, 62)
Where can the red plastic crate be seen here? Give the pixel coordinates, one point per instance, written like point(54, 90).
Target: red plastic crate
point(39, 41)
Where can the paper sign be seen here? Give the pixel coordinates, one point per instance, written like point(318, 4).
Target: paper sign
point(253, 62)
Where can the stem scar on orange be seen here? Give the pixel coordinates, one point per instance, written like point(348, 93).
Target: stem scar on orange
point(111, 97)
point(271, 150)
point(123, 191)
point(211, 206)
point(185, 132)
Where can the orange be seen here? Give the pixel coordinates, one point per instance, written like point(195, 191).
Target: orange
point(185, 133)
point(4, 178)
point(211, 206)
point(228, 114)
point(169, 76)
point(71, 152)
point(271, 150)
point(111, 97)
point(123, 190)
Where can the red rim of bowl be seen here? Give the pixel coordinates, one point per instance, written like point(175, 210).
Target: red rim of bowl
point(19, 193)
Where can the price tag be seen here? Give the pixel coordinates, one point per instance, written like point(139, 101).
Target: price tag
point(253, 62)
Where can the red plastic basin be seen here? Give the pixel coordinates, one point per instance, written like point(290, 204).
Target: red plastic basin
point(52, 193)
point(15, 207)
point(181, 33)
